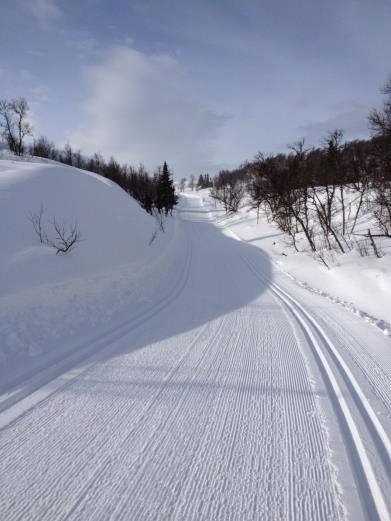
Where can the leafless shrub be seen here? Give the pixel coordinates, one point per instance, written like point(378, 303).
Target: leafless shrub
point(42, 147)
point(159, 219)
point(382, 209)
point(376, 248)
point(36, 220)
point(182, 184)
point(153, 237)
point(66, 236)
point(229, 195)
point(362, 247)
point(192, 182)
point(63, 237)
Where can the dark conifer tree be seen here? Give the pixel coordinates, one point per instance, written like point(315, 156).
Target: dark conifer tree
point(165, 196)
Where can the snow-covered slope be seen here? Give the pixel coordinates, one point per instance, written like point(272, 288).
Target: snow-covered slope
point(361, 284)
point(46, 300)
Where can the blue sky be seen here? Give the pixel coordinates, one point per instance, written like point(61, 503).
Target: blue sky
point(201, 84)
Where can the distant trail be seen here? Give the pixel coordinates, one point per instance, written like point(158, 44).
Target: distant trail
point(224, 400)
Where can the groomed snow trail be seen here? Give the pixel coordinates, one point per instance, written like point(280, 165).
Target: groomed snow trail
point(223, 402)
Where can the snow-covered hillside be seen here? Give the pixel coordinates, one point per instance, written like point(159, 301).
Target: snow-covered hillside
point(359, 283)
point(48, 300)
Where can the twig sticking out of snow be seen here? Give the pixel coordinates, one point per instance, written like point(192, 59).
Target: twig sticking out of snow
point(64, 236)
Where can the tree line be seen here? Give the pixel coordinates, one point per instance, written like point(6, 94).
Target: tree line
point(155, 193)
point(320, 193)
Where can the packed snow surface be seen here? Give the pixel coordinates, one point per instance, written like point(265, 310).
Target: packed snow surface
point(227, 392)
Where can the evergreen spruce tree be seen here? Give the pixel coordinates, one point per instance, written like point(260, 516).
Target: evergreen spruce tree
point(200, 183)
point(165, 196)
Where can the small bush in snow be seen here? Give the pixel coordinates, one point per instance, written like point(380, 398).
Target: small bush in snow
point(63, 236)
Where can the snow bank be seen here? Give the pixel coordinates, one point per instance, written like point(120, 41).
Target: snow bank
point(46, 300)
point(361, 284)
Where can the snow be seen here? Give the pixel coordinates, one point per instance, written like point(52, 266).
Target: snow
point(47, 300)
point(219, 388)
point(361, 284)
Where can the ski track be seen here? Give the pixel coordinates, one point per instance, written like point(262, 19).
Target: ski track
point(374, 500)
point(378, 376)
point(203, 409)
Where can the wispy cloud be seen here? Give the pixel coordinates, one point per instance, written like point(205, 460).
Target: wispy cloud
point(141, 108)
point(44, 10)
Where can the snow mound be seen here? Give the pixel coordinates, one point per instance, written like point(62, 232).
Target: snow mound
point(47, 299)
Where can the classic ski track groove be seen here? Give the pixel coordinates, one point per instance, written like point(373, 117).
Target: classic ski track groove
point(310, 326)
point(377, 377)
point(155, 403)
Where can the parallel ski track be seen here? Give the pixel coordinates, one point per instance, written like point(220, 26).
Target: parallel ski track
point(227, 436)
point(377, 376)
point(314, 330)
point(131, 430)
point(22, 400)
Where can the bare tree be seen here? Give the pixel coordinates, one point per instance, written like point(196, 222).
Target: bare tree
point(78, 159)
point(14, 123)
point(36, 219)
point(182, 184)
point(382, 210)
point(229, 195)
point(7, 124)
point(380, 120)
point(42, 147)
point(357, 158)
point(192, 182)
point(68, 154)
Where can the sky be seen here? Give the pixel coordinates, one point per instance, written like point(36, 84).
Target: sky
point(203, 84)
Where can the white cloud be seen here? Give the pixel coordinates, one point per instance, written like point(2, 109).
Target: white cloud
point(141, 109)
point(44, 10)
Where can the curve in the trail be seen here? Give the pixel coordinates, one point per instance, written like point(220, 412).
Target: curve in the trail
point(205, 411)
point(102, 345)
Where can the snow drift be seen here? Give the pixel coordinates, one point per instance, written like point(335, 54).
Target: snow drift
point(48, 299)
